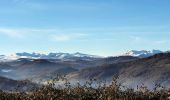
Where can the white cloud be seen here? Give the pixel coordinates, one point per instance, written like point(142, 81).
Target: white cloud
point(161, 41)
point(135, 38)
point(61, 37)
point(67, 37)
point(53, 34)
point(142, 40)
point(21, 33)
point(11, 33)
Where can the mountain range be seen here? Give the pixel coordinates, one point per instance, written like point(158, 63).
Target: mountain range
point(72, 56)
point(61, 56)
point(142, 53)
point(149, 71)
point(133, 67)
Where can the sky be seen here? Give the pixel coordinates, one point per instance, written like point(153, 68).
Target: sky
point(99, 27)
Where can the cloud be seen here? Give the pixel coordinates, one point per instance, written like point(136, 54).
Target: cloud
point(161, 41)
point(67, 37)
point(53, 34)
point(11, 33)
point(61, 37)
point(146, 40)
point(136, 38)
point(22, 33)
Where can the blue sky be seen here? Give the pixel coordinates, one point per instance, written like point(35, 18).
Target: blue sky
point(100, 27)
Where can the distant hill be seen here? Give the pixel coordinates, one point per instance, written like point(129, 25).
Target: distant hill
point(7, 84)
point(132, 70)
point(151, 70)
point(25, 68)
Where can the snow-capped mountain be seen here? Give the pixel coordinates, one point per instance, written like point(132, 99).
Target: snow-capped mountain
point(4, 58)
point(62, 56)
point(72, 56)
point(30, 55)
point(142, 53)
point(68, 55)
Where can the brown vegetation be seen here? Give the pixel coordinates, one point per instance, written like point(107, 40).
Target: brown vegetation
point(86, 92)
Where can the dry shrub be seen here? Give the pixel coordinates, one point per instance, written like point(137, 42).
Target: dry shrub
point(87, 92)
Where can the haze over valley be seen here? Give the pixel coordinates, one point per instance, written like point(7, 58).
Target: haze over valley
point(84, 50)
point(133, 67)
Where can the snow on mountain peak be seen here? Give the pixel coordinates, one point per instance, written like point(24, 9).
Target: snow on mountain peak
point(71, 56)
point(29, 55)
point(142, 53)
point(63, 56)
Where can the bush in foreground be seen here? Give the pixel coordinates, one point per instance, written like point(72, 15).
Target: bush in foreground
point(87, 92)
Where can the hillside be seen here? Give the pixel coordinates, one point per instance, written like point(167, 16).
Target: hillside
point(149, 71)
point(7, 84)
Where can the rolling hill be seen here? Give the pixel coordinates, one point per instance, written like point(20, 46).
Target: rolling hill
point(148, 71)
